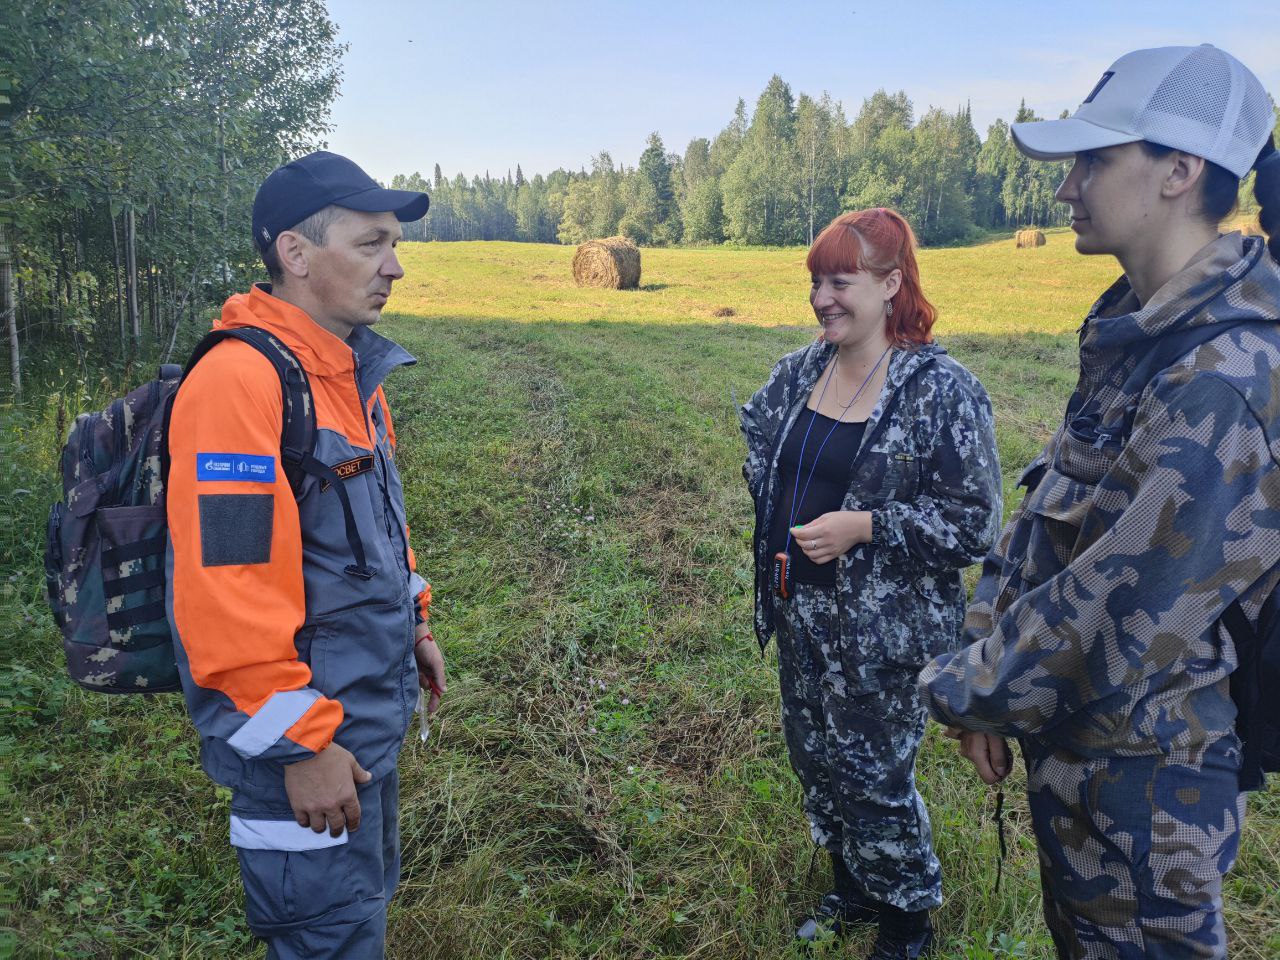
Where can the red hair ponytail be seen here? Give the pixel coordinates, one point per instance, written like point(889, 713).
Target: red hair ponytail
point(879, 241)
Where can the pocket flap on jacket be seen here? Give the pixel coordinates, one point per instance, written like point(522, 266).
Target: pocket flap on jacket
point(1061, 498)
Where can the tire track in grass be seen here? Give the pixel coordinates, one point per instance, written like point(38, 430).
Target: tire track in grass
point(543, 716)
point(504, 619)
point(688, 750)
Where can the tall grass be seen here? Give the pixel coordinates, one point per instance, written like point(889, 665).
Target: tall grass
point(607, 777)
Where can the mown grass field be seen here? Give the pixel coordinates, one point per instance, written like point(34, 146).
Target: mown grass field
point(607, 777)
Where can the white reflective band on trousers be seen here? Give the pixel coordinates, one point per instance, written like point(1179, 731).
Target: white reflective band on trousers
point(281, 711)
point(280, 835)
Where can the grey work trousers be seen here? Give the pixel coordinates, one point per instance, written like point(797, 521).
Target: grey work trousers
point(308, 894)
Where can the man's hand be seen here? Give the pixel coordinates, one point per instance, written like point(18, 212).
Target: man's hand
point(986, 751)
point(832, 534)
point(322, 790)
point(430, 665)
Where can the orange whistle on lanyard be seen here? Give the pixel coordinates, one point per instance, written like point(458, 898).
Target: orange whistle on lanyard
point(782, 575)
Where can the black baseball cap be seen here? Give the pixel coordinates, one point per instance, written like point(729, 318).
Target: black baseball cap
point(295, 191)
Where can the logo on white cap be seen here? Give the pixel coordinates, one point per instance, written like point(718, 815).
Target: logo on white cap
point(1200, 100)
point(1098, 88)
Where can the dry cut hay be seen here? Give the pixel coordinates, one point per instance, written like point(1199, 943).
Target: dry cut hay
point(1028, 238)
point(612, 263)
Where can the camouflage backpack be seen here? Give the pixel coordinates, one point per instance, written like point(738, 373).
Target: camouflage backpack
point(106, 542)
point(1253, 686)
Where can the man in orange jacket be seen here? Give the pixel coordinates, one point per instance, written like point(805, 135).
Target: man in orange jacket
point(300, 619)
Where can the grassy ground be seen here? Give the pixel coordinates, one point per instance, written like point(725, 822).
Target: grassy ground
point(607, 778)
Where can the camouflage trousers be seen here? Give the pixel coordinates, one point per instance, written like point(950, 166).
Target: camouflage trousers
point(1133, 850)
point(853, 730)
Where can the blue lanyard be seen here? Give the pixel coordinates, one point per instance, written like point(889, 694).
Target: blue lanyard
point(797, 499)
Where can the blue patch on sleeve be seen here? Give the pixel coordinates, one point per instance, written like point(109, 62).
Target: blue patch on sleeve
point(235, 466)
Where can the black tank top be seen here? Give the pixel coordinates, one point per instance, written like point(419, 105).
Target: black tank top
point(826, 490)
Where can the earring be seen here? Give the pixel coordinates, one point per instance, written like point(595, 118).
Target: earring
point(888, 308)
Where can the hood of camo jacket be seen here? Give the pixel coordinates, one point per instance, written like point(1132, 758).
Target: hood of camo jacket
point(280, 649)
point(1094, 625)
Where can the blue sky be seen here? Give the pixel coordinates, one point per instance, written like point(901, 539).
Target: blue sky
point(478, 86)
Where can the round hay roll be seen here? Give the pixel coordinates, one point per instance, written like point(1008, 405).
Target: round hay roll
point(612, 263)
point(1028, 238)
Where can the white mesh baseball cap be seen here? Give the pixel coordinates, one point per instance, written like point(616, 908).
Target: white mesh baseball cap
point(1200, 100)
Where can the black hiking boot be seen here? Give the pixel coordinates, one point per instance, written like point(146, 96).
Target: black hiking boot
point(836, 912)
point(904, 935)
point(842, 907)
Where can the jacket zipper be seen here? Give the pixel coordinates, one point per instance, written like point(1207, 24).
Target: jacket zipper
point(868, 438)
point(380, 469)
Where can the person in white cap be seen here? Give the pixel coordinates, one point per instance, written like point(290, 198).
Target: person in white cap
point(1108, 620)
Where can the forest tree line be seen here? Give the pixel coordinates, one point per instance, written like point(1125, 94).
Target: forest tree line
point(133, 136)
point(775, 177)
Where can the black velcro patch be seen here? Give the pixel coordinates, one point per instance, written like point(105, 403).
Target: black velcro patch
point(235, 528)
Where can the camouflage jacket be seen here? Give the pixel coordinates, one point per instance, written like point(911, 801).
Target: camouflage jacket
point(928, 472)
point(1153, 507)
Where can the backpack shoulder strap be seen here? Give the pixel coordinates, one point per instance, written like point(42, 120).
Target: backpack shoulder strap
point(1168, 350)
point(298, 432)
point(1246, 691)
point(1256, 675)
point(1158, 354)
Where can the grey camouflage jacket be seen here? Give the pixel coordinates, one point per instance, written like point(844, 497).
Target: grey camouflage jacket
point(928, 472)
point(1094, 626)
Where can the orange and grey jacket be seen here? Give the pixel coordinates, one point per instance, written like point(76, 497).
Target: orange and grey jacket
point(281, 649)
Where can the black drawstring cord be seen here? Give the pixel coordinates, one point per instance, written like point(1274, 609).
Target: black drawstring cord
point(813, 858)
point(999, 818)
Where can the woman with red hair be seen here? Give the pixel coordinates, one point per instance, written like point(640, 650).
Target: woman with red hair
point(871, 458)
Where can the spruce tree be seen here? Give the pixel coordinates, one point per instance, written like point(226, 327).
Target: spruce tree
point(655, 168)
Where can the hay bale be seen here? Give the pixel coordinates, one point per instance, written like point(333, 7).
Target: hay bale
point(612, 263)
point(1029, 238)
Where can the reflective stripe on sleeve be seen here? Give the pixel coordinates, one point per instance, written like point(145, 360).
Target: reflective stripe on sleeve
point(268, 725)
point(280, 835)
point(416, 585)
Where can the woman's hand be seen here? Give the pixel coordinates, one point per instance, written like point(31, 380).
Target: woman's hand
point(988, 753)
point(832, 534)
